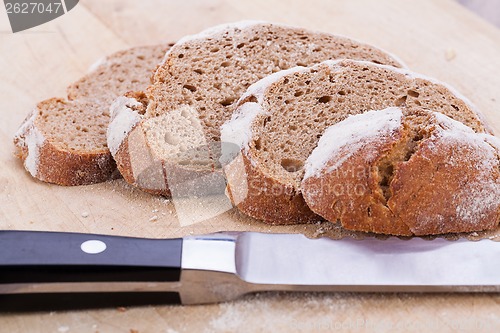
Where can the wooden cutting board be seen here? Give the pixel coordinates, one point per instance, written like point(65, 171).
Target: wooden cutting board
point(437, 38)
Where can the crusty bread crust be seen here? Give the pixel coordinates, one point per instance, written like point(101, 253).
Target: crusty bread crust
point(442, 178)
point(53, 157)
point(248, 133)
point(208, 72)
point(255, 194)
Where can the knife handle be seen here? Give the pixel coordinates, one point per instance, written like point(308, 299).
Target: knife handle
point(52, 257)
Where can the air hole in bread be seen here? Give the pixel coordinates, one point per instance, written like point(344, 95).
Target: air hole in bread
point(341, 93)
point(266, 121)
point(300, 63)
point(215, 50)
point(252, 99)
point(172, 139)
point(228, 101)
point(369, 211)
point(225, 64)
point(198, 71)
point(240, 45)
point(412, 145)
point(386, 173)
point(413, 93)
point(401, 101)
point(292, 165)
point(189, 87)
point(180, 56)
point(455, 107)
point(325, 99)
point(298, 93)
point(258, 144)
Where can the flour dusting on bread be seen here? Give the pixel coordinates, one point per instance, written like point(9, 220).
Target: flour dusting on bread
point(354, 131)
point(123, 120)
point(31, 139)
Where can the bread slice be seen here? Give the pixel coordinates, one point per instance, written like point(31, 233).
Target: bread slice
point(404, 172)
point(204, 75)
point(281, 118)
point(64, 141)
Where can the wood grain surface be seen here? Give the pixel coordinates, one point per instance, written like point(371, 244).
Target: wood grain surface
point(437, 38)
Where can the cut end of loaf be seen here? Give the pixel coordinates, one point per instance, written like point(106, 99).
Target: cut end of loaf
point(428, 175)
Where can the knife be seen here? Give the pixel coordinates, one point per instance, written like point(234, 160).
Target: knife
point(224, 266)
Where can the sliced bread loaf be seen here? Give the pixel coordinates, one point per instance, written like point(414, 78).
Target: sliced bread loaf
point(64, 141)
point(405, 172)
point(204, 75)
point(281, 119)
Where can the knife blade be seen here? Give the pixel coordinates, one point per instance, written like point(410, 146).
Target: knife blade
point(224, 266)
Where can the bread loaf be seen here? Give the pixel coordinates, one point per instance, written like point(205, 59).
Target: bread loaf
point(202, 77)
point(404, 172)
point(64, 141)
point(281, 118)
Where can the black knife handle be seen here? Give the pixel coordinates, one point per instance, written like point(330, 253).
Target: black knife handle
point(45, 257)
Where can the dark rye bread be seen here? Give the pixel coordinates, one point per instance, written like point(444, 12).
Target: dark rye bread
point(64, 141)
point(405, 172)
point(204, 75)
point(281, 118)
